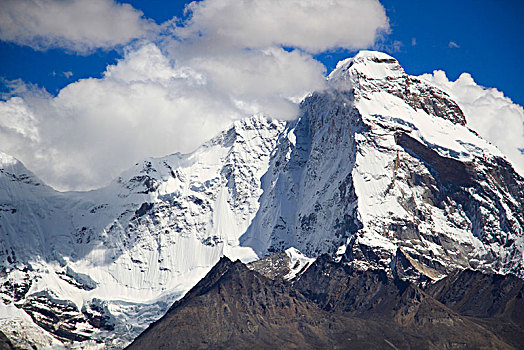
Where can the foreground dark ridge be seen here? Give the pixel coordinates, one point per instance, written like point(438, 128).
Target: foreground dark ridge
point(332, 305)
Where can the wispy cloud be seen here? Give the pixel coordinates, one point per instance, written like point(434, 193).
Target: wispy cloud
point(453, 45)
point(387, 46)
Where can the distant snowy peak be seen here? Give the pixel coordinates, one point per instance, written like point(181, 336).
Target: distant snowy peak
point(15, 171)
point(234, 142)
point(371, 71)
point(369, 65)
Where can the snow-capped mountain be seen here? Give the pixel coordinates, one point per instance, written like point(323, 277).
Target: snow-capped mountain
point(145, 239)
point(380, 170)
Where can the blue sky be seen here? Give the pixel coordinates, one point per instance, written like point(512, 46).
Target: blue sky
point(89, 87)
point(489, 38)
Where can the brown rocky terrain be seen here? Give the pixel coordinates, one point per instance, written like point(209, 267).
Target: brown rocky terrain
point(332, 305)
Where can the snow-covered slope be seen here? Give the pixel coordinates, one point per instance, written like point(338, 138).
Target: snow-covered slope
point(379, 170)
point(144, 240)
point(382, 171)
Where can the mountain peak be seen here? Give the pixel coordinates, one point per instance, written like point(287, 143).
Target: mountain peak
point(372, 55)
point(373, 65)
point(6, 160)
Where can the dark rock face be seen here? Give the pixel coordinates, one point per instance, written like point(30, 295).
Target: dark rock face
point(272, 266)
point(331, 305)
point(341, 288)
point(5, 343)
point(98, 315)
point(431, 100)
point(59, 317)
point(495, 301)
point(421, 268)
point(450, 171)
point(15, 291)
point(372, 295)
point(481, 295)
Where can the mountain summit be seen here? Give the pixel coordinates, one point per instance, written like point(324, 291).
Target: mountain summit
point(379, 171)
point(369, 65)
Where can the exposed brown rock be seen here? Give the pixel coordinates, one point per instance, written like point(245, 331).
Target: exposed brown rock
point(329, 306)
point(449, 170)
point(494, 301)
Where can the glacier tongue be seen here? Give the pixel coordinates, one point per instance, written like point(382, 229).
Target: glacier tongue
point(379, 170)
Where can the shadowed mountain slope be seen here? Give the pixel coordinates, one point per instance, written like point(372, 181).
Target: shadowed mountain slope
point(329, 306)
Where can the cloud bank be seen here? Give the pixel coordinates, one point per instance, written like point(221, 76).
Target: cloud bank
point(144, 106)
point(76, 25)
point(492, 115)
point(311, 25)
point(174, 88)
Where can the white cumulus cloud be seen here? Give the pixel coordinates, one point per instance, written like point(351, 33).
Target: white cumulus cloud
point(76, 25)
point(311, 25)
point(491, 114)
point(171, 92)
point(143, 106)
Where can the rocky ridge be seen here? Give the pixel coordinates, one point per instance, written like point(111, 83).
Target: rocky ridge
point(330, 305)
